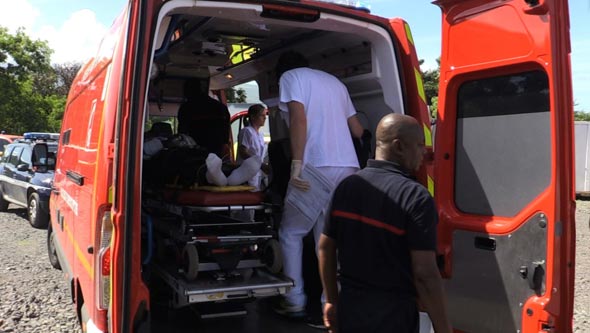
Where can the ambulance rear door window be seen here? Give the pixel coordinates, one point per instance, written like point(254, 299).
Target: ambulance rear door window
point(503, 143)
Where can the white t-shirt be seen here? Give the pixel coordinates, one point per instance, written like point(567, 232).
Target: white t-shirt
point(254, 141)
point(327, 108)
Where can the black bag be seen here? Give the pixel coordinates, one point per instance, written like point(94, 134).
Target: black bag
point(176, 166)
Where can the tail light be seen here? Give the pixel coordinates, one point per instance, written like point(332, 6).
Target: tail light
point(103, 264)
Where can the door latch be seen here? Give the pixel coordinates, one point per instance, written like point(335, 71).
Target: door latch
point(534, 274)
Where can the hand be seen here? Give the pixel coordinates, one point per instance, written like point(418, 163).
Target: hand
point(296, 180)
point(330, 317)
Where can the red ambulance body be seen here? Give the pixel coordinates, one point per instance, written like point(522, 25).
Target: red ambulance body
point(501, 169)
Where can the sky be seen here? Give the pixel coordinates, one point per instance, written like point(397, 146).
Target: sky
point(85, 21)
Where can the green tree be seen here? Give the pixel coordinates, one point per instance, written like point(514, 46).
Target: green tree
point(65, 74)
point(59, 82)
point(431, 79)
point(23, 108)
point(236, 95)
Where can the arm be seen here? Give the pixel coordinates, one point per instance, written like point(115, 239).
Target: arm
point(297, 129)
point(244, 152)
point(356, 129)
point(327, 266)
point(430, 289)
point(298, 132)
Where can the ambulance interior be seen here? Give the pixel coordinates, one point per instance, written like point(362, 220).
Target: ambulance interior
point(195, 241)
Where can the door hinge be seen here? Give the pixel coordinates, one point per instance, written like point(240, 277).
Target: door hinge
point(111, 151)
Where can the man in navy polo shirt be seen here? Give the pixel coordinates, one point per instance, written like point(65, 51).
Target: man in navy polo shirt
point(382, 230)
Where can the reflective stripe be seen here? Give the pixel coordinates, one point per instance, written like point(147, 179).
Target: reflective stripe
point(420, 85)
point(409, 33)
point(110, 198)
point(427, 135)
point(431, 186)
point(79, 253)
point(369, 221)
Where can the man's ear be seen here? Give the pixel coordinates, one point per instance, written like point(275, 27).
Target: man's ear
point(397, 146)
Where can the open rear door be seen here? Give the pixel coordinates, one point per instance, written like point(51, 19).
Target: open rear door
point(504, 165)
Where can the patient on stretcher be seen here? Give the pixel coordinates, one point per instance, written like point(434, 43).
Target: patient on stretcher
point(248, 169)
point(179, 162)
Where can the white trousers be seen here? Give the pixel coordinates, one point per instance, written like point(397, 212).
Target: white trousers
point(294, 226)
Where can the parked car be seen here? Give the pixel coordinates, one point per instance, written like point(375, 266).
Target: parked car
point(6, 139)
point(26, 175)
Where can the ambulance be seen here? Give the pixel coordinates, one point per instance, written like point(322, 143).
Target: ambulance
point(501, 173)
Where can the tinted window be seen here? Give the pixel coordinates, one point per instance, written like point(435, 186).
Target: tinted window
point(51, 155)
point(25, 157)
point(15, 155)
point(503, 144)
point(7, 153)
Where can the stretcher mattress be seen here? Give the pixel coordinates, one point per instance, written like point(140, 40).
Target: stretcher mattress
point(217, 197)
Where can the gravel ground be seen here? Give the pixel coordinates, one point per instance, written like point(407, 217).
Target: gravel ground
point(582, 284)
point(34, 297)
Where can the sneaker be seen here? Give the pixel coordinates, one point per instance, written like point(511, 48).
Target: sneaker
point(316, 322)
point(288, 309)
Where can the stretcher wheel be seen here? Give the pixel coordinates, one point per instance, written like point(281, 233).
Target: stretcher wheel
point(272, 256)
point(190, 261)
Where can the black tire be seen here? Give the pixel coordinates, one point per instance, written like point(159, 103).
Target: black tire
point(3, 203)
point(272, 256)
point(51, 250)
point(190, 260)
point(37, 217)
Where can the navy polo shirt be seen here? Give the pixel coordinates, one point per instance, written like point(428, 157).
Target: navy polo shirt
point(376, 217)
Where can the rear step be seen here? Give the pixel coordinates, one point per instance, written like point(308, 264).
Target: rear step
point(260, 283)
point(219, 310)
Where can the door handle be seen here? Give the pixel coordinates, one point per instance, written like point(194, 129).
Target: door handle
point(485, 243)
point(75, 177)
point(55, 190)
point(534, 274)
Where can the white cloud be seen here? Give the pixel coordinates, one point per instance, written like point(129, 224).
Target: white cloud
point(76, 40)
point(14, 18)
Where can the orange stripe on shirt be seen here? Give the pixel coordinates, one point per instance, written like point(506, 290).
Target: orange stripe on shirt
point(369, 221)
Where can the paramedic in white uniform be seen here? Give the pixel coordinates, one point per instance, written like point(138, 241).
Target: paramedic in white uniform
point(251, 142)
point(322, 121)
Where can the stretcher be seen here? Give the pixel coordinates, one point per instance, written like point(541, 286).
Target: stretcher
point(215, 244)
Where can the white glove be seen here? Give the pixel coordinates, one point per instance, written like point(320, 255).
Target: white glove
point(296, 180)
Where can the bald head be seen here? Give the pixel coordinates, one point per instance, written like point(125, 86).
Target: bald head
point(400, 139)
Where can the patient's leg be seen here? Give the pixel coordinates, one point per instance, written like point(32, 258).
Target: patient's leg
point(245, 172)
point(214, 174)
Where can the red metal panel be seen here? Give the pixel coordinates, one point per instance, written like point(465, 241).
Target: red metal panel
point(491, 38)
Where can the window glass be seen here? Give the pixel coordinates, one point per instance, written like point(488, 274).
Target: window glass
point(25, 157)
point(3, 143)
point(500, 120)
point(7, 152)
point(15, 155)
